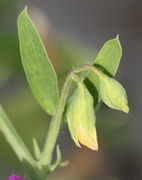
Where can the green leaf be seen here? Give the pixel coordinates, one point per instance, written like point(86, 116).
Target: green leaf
point(112, 93)
point(14, 139)
point(38, 68)
point(36, 148)
point(81, 118)
point(64, 163)
point(107, 60)
point(58, 160)
point(109, 56)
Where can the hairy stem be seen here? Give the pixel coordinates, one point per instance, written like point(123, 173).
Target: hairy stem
point(55, 123)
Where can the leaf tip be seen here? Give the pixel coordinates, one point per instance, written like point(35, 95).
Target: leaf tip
point(24, 11)
point(26, 8)
point(118, 40)
point(21, 15)
point(117, 37)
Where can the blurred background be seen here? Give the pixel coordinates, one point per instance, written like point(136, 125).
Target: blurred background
point(73, 31)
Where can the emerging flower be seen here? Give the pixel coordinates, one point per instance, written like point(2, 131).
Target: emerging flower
point(14, 177)
point(81, 118)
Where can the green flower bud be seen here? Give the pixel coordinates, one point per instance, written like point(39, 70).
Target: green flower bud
point(81, 118)
point(112, 93)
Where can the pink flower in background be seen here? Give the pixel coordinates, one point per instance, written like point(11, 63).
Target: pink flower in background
point(14, 177)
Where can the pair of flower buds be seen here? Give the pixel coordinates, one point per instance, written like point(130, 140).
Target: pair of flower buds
point(81, 112)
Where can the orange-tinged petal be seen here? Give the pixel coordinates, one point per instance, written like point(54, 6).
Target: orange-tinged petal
point(90, 142)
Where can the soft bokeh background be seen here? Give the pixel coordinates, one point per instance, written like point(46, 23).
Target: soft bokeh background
point(73, 32)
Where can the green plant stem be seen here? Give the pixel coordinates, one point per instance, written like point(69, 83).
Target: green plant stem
point(55, 124)
point(88, 68)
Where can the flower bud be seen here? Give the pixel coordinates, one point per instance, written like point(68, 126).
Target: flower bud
point(113, 94)
point(81, 118)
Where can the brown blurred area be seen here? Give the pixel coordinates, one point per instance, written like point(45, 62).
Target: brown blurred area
point(73, 32)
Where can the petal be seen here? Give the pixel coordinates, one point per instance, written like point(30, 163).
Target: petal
point(90, 142)
point(14, 177)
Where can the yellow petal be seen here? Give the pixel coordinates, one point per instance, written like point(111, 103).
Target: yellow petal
point(83, 138)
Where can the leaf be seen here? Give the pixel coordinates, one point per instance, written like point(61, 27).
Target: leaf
point(14, 139)
point(38, 68)
point(64, 163)
point(36, 148)
point(107, 60)
point(109, 56)
point(81, 118)
point(58, 160)
point(112, 93)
